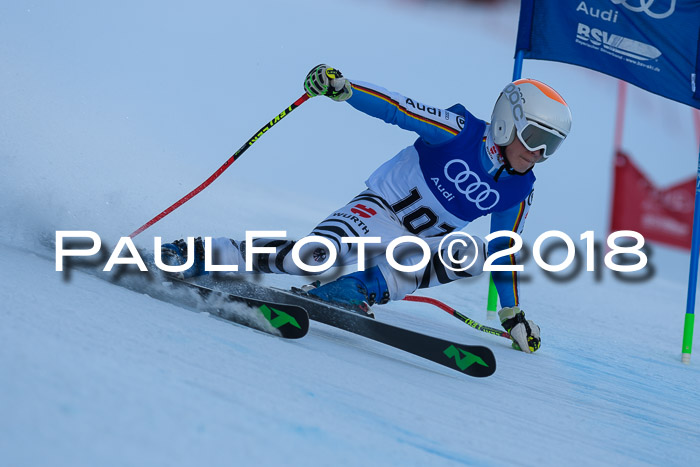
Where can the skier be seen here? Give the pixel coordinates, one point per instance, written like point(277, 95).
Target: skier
point(459, 169)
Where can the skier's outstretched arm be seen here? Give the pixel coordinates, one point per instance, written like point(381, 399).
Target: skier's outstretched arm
point(433, 124)
point(512, 220)
point(525, 333)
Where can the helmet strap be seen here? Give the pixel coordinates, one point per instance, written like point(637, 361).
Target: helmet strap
point(498, 174)
point(507, 167)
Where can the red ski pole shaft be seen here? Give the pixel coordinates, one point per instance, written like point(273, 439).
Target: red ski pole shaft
point(223, 168)
point(463, 318)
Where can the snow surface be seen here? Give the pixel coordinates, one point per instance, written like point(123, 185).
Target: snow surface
point(111, 112)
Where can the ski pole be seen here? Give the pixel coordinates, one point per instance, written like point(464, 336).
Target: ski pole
point(225, 166)
point(457, 314)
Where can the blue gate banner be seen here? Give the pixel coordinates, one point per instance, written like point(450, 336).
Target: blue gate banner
point(653, 44)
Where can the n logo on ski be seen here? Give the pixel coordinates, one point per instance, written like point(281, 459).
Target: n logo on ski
point(464, 361)
point(280, 319)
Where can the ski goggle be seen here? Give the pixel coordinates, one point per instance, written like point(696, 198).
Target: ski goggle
point(535, 136)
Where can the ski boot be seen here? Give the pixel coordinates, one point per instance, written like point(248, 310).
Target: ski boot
point(176, 254)
point(356, 292)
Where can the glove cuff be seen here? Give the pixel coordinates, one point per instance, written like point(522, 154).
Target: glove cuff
point(343, 94)
point(510, 316)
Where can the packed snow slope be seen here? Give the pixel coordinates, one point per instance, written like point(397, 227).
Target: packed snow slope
point(111, 112)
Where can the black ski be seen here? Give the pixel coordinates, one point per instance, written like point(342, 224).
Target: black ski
point(473, 360)
point(282, 319)
point(290, 320)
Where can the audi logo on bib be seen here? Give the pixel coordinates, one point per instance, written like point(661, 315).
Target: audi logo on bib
point(470, 185)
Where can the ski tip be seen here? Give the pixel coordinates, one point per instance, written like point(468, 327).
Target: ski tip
point(477, 361)
point(291, 321)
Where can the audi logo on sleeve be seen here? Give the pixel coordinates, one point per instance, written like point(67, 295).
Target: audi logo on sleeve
point(470, 185)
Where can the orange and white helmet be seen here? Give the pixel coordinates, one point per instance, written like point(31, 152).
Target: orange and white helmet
point(534, 112)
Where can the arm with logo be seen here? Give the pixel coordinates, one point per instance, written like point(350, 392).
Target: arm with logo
point(525, 333)
point(433, 124)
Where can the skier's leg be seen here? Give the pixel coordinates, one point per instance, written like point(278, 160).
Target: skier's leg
point(382, 282)
point(366, 215)
point(281, 261)
point(440, 268)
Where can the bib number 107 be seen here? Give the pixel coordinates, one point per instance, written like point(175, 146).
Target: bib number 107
point(588, 236)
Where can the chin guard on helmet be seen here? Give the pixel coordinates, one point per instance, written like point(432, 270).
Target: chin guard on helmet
point(534, 112)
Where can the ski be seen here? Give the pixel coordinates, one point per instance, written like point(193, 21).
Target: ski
point(287, 314)
point(286, 320)
point(472, 360)
point(290, 320)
